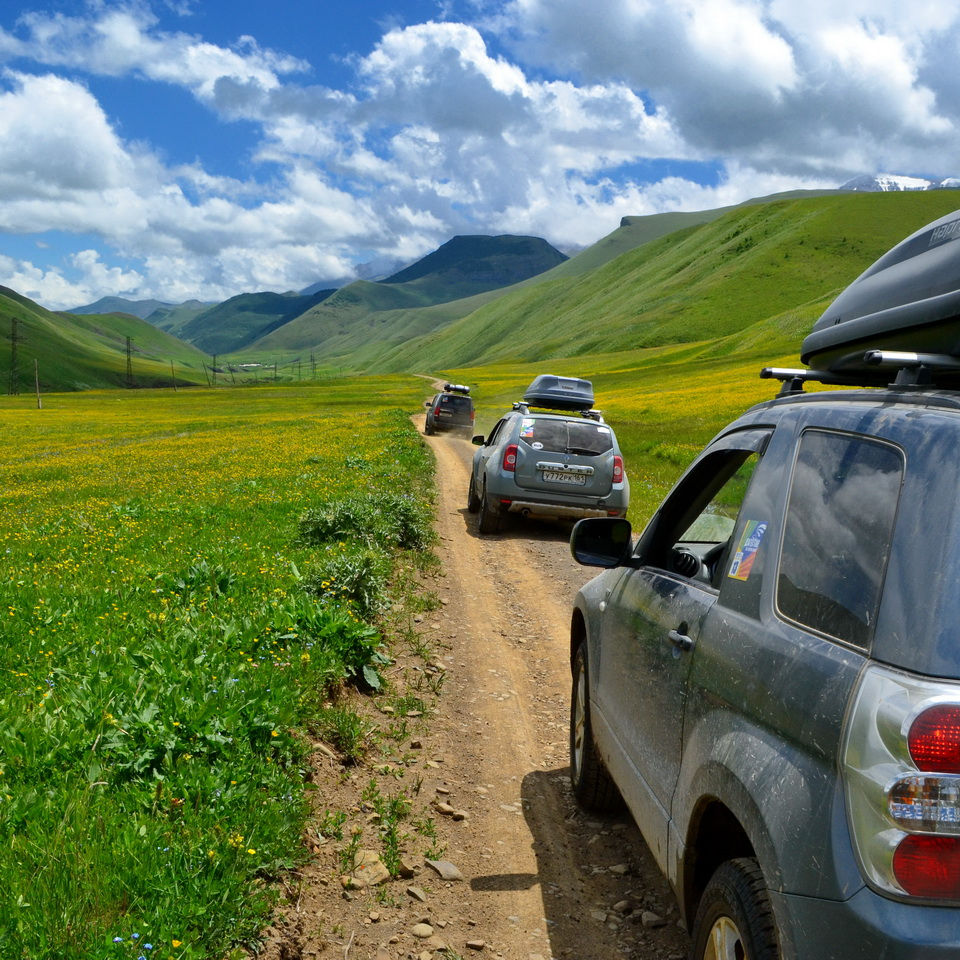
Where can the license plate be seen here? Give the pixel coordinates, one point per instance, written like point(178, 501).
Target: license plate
point(555, 476)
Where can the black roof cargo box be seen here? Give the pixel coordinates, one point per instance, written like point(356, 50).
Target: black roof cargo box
point(559, 393)
point(909, 300)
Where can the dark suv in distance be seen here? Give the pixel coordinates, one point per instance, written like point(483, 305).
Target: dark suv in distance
point(450, 410)
point(769, 677)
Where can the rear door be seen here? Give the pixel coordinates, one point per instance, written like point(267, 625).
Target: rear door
point(565, 457)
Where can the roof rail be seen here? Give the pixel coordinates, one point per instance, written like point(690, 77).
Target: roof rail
point(915, 371)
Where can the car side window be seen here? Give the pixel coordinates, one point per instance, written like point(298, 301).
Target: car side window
point(692, 532)
point(837, 533)
point(494, 433)
point(707, 539)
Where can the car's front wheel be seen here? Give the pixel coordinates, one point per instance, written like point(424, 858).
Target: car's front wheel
point(589, 779)
point(735, 918)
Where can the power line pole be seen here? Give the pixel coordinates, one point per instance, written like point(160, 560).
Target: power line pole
point(173, 377)
point(130, 383)
point(213, 370)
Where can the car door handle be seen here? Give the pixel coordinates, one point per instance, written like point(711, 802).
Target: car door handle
point(680, 639)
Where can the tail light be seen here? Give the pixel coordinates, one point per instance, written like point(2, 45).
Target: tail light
point(901, 770)
point(934, 738)
point(928, 867)
point(617, 469)
point(510, 458)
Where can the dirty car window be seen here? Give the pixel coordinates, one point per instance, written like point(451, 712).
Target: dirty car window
point(839, 525)
point(564, 436)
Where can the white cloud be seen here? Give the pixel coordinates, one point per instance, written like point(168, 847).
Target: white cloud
point(122, 40)
point(545, 119)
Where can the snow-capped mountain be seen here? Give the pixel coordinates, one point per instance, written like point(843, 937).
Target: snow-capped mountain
point(886, 182)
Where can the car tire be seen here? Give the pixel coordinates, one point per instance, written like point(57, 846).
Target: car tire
point(591, 783)
point(490, 518)
point(428, 430)
point(735, 918)
point(473, 501)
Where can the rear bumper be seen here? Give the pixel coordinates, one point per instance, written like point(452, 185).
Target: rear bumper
point(452, 425)
point(866, 927)
point(535, 508)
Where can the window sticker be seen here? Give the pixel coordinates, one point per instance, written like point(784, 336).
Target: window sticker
point(537, 445)
point(526, 428)
point(603, 429)
point(750, 541)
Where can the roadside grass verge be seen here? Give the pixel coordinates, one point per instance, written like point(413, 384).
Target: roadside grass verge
point(174, 635)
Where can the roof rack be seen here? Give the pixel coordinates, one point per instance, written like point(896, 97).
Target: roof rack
point(914, 371)
point(524, 407)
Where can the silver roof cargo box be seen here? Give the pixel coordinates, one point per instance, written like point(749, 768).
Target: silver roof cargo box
point(906, 304)
point(559, 393)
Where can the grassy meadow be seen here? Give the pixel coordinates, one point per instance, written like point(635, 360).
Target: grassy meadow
point(186, 581)
point(189, 579)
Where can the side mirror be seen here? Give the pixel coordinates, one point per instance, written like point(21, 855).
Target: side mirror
point(478, 440)
point(601, 541)
point(427, 403)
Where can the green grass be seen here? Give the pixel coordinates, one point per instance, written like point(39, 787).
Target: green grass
point(712, 280)
point(165, 656)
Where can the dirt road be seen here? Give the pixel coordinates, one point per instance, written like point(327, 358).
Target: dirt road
point(540, 878)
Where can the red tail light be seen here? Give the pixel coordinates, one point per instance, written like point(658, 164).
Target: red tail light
point(617, 469)
point(934, 739)
point(510, 458)
point(928, 866)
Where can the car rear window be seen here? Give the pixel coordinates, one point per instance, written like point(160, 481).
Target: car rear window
point(457, 402)
point(585, 437)
point(839, 525)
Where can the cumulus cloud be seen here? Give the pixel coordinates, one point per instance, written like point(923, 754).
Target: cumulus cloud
point(783, 84)
point(536, 119)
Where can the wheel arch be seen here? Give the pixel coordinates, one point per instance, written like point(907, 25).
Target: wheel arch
point(578, 633)
point(714, 835)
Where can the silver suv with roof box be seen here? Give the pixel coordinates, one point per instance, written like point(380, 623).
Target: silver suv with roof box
point(769, 676)
point(552, 456)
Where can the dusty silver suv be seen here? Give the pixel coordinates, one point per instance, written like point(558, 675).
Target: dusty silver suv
point(545, 462)
point(769, 676)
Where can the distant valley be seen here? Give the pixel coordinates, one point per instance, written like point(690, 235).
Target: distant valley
point(740, 277)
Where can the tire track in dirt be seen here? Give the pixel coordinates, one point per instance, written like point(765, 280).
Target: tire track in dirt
point(545, 878)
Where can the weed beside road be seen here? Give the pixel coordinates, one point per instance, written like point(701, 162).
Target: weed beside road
point(171, 632)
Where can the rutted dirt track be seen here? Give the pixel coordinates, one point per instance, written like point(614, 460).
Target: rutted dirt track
point(541, 879)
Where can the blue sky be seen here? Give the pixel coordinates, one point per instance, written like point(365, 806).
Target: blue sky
point(181, 149)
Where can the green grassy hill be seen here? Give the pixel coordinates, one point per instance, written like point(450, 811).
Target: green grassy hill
point(364, 312)
point(81, 352)
point(236, 322)
point(704, 282)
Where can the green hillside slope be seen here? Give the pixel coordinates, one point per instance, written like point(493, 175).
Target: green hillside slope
point(236, 322)
point(362, 312)
point(174, 318)
point(74, 352)
point(704, 282)
point(341, 337)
